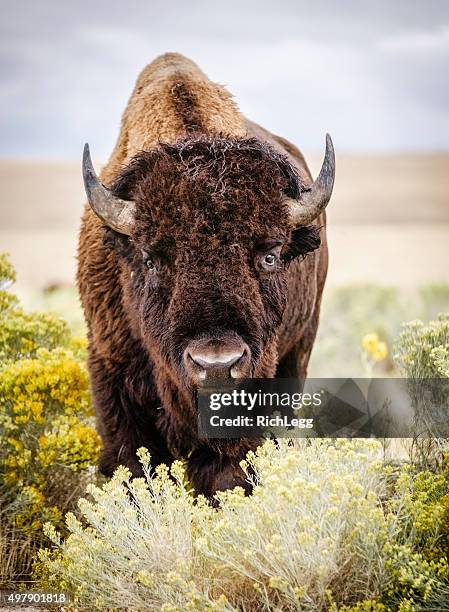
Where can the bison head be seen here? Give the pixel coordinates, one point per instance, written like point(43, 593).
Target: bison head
point(204, 230)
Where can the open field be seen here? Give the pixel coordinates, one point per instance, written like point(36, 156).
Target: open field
point(388, 220)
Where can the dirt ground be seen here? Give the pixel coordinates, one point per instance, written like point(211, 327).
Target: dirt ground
point(388, 219)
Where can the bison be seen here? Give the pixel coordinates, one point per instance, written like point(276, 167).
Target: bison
point(192, 265)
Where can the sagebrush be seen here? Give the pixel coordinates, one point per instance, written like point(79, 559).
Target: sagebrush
point(319, 532)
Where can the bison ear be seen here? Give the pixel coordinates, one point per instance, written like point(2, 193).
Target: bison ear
point(314, 200)
point(116, 213)
point(303, 240)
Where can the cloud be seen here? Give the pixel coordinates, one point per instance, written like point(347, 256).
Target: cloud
point(372, 75)
point(431, 42)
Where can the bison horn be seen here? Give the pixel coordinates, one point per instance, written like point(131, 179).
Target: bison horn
point(314, 200)
point(118, 214)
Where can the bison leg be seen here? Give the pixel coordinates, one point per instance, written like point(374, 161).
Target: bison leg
point(210, 471)
point(124, 423)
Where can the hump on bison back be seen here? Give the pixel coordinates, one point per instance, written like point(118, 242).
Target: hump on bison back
point(172, 98)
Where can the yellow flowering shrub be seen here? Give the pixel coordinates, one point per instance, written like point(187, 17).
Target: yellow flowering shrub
point(48, 443)
point(22, 334)
point(316, 534)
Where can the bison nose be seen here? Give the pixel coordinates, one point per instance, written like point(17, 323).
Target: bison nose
point(208, 360)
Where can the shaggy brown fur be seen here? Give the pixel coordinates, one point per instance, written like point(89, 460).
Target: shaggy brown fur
point(209, 188)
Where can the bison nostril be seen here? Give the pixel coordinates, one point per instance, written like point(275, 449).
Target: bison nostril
point(215, 366)
point(226, 360)
point(205, 362)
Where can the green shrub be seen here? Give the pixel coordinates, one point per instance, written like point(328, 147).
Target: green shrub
point(47, 439)
point(433, 298)
point(422, 350)
point(351, 313)
point(419, 560)
point(22, 334)
point(347, 316)
point(422, 355)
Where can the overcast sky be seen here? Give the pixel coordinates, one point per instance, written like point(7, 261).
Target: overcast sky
point(374, 74)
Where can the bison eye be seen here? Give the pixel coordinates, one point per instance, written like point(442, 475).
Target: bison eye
point(269, 262)
point(150, 264)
